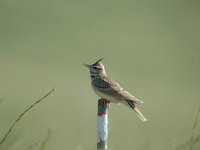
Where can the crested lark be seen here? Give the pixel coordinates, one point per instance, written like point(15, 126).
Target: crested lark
point(110, 90)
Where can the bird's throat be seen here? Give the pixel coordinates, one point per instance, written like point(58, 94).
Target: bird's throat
point(94, 76)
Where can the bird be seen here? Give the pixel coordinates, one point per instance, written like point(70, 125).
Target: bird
point(108, 89)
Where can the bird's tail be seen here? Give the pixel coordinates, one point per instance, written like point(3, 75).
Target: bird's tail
point(140, 115)
point(131, 104)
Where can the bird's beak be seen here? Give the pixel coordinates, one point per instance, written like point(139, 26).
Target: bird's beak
point(86, 65)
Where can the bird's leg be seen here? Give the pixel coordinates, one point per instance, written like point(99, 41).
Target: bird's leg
point(104, 102)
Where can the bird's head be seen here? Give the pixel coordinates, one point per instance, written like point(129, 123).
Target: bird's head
point(97, 68)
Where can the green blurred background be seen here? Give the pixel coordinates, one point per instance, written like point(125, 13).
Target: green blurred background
point(152, 48)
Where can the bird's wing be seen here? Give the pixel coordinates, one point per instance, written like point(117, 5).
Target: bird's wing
point(111, 88)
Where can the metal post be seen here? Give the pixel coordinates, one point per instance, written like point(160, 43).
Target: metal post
point(102, 124)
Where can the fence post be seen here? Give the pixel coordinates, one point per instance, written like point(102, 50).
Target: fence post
point(102, 124)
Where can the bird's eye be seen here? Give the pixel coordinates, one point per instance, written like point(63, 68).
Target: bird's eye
point(95, 67)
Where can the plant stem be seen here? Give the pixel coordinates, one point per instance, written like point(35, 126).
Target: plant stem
point(23, 113)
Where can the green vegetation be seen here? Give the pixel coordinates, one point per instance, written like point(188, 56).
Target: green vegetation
point(22, 114)
point(195, 138)
point(152, 48)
